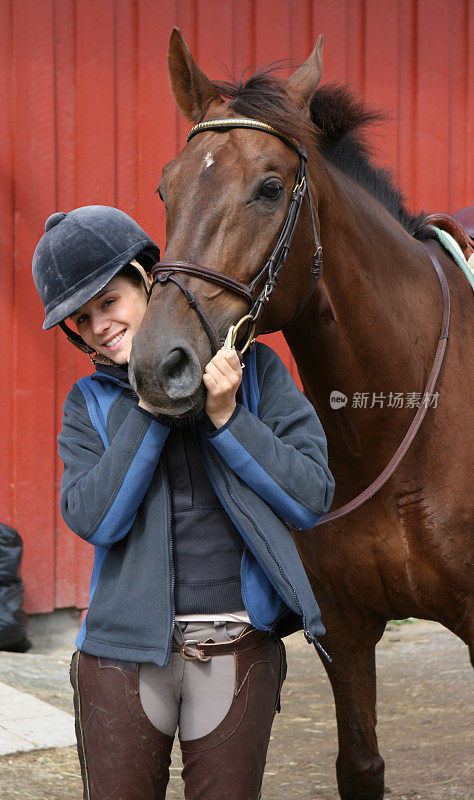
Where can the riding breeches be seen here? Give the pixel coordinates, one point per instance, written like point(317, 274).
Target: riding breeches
point(222, 705)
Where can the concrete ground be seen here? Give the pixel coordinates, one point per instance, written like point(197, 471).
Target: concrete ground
point(425, 710)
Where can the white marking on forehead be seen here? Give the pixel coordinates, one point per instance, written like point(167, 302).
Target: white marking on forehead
point(208, 160)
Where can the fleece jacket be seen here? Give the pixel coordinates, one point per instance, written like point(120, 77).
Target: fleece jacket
point(268, 467)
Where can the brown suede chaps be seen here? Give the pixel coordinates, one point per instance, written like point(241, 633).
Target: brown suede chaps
point(124, 757)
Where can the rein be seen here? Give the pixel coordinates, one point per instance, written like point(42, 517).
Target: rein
point(166, 271)
point(422, 408)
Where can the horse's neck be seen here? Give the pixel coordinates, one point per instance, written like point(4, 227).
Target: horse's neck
point(372, 324)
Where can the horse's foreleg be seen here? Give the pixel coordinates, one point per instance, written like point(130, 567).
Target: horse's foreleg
point(359, 765)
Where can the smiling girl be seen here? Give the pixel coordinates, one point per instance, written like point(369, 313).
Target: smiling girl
point(184, 620)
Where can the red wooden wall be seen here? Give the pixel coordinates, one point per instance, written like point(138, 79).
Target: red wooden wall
point(87, 117)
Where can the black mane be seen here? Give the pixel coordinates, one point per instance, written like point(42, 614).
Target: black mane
point(338, 124)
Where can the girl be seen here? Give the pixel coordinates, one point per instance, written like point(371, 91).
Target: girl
point(186, 609)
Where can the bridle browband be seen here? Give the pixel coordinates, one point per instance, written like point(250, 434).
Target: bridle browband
point(165, 271)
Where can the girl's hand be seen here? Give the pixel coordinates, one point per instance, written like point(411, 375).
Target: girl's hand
point(222, 377)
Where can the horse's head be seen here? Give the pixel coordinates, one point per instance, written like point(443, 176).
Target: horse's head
point(227, 197)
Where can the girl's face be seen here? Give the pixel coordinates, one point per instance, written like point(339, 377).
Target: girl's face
point(109, 321)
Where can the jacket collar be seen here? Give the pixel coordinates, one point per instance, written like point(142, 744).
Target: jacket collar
point(113, 373)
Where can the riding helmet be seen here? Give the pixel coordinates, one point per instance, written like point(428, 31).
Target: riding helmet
point(80, 252)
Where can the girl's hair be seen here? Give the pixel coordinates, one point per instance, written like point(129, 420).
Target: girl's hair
point(131, 274)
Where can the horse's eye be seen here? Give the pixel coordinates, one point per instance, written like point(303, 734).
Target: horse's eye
point(271, 190)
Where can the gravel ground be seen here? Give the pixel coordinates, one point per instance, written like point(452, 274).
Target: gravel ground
point(425, 711)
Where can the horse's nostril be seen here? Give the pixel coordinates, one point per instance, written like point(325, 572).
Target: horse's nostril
point(174, 363)
point(180, 373)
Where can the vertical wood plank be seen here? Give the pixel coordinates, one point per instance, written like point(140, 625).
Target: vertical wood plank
point(272, 32)
point(301, 36)
point(7, 274)
point(64, 77)
point(243, 36)
point(157, 115)
point(381, 77)
point(73, 557)
point(126, 105)
point(330, 19)
point(65, 116)
point(355, 44)
point(432, 183)
point(458, 145)
point(214, 40)
point(469, 106)
point(34, 427)
point(95, 103)
point(186, 12)
point(406, 101)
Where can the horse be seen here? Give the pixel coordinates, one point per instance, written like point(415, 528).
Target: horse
point(363, 324)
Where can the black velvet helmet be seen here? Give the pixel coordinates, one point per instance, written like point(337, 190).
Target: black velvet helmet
point(80, 252)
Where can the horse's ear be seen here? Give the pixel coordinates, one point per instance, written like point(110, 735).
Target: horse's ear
point(193, 91)
point(302, 84)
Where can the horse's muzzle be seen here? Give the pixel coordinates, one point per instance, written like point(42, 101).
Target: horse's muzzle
point(171, 382)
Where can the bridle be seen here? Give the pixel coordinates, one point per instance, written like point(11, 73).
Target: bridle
point(166, 271)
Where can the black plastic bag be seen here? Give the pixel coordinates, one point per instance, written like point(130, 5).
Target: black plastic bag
point(12, 618)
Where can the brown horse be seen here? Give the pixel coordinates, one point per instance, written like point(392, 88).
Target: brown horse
point(368, 330)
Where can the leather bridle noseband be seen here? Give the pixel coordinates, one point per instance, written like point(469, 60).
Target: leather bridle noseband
point(165, 271)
